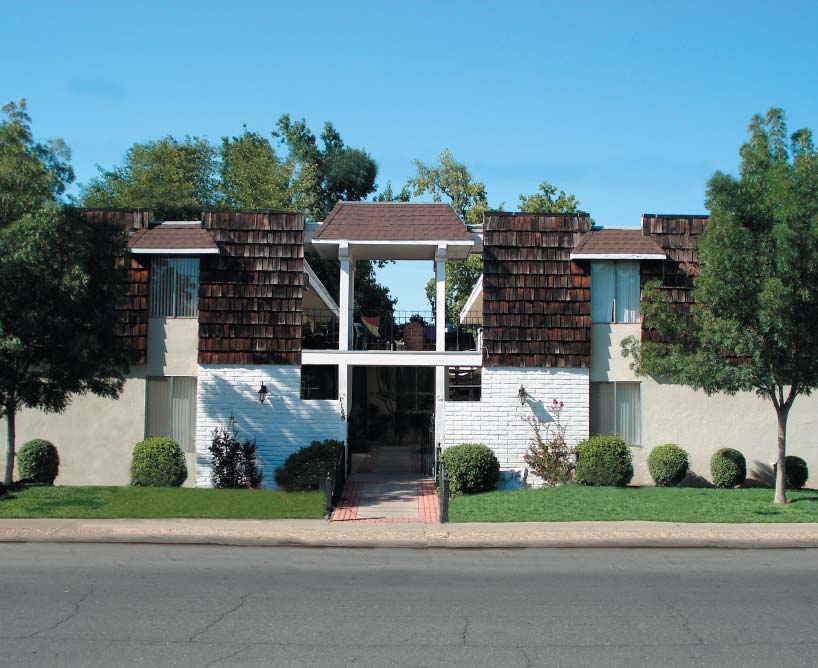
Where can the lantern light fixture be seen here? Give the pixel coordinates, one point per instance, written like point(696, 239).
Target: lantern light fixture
point(522, 395)
point(262, 393)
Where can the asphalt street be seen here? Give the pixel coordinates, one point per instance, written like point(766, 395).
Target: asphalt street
point(205, 606)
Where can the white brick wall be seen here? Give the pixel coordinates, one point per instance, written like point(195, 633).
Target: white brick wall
point(280, 426)
point(499, 421)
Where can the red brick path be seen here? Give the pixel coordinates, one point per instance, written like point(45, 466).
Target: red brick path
point(428, 505)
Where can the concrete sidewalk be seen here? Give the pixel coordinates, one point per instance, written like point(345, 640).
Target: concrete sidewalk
point(320, 533)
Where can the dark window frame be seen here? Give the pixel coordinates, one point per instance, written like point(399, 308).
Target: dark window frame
point(319, 383)
point(464, 388)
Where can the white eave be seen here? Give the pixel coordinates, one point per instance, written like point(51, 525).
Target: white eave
point(476, 291)
point(389, 249)
point(618, 256)
point(174, 251)
point(320, 289)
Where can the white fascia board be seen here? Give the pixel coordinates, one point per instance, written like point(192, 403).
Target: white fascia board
point(618, 256)
point(320, 289)
point(174, 251)
point(393, 242)
point(427, 358)
point(476, 291)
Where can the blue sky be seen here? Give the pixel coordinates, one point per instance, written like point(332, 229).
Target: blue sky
point(629, 106)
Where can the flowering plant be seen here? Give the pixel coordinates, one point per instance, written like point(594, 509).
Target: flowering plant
point(548, 455)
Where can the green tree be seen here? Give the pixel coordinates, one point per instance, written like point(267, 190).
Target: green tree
point(388, 195)
point(548, 200)
point(754, 321)
point(160, 175)
point(252, 176)
point(325, 175)
point(32, 173)
point(57, 316)
point(453, 181)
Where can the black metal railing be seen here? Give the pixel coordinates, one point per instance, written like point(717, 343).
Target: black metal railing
point(335, 481)
point(442, 487)
point(428, 458)
point(387, 330)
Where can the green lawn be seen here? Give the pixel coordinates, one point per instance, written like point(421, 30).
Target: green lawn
point(575, 503)
point(159, 502)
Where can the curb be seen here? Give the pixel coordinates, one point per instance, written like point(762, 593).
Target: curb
point(323, 534)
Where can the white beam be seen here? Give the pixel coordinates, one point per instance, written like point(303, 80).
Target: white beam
point(428, 358)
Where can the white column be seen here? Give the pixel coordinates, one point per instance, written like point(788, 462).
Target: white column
point(347, 297)
point(441, 392)
point(440, 298)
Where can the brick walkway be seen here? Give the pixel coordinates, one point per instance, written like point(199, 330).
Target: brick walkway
point(382, 489)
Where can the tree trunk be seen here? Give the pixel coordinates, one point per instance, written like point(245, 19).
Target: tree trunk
point(781, 465)
point(11, 413)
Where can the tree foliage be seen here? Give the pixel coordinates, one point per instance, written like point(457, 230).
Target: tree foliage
point(754, 323)
point(32, 173)
point(453, 181)
point(58, 294)
point(252, 176)
point(158, 175)
point(549, 199)
point(325, 175)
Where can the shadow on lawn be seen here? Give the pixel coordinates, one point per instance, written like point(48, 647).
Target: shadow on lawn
point(50, 498)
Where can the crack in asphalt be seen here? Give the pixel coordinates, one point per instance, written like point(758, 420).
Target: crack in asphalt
point(465, 630)
point(224, 614)
point(77, 604)
point(682, 617)
point(528, 662)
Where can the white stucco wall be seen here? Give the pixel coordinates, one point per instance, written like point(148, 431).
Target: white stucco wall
point(280, 426)
point(95, 437)
point(702, 424)
point(499, 421)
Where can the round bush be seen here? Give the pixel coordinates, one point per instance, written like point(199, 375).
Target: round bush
point(668, 465)
point(728, 468)
point(158, 462)
point(471, 468)
point(38, 461)
point(604, 460)
point(305, 469)
point(796, 472)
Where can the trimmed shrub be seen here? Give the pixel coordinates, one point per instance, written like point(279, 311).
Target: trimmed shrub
point(796, 472)
point(604, 460)
point(728, 468)
point(305, 469)
point(38, 461)
point(234, 461)
point(668, 465)
point(471, 467)
point(158, 462)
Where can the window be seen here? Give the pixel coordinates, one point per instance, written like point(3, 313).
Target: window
point(464, 383)
point(616, 408)
point(319, 381)
point(615, 292)
point(171, 410)
point(174, 287)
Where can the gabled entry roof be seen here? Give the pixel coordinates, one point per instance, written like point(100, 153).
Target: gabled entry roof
point(393, 230)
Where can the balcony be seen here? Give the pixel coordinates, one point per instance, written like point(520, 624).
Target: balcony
point(388, 331)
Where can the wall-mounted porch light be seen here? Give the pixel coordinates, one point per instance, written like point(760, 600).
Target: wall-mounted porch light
point(522, 395)
point(262, 393)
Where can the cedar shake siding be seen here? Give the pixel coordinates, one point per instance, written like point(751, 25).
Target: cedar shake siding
point(536, 301)
point(678, 237)
point(133, 309)
point(250, 295)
